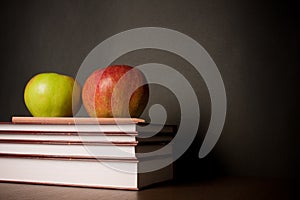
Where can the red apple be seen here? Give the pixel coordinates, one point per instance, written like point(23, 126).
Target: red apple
point(108, 92)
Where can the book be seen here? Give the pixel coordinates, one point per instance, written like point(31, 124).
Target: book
point(105, 173)
point(86, 130)
point(85, 136)
point(85, 152)
point(83, 149)
point(70, 124)
point(68, 136)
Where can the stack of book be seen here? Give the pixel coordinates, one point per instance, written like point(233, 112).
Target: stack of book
point(91, 152)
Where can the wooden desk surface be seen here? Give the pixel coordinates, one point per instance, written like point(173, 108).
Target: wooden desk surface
point(218, 188)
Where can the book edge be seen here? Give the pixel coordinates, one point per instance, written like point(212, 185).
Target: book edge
point(74, 120)
point(70, 185)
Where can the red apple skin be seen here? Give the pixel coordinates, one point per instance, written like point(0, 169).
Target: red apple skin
point(98, 89)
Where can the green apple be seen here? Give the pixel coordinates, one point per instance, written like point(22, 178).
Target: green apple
point(52, 95)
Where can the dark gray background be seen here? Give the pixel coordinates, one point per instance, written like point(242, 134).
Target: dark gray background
point(253, 43)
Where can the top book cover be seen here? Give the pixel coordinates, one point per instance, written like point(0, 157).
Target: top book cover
point(55, 125)
point(74, 120)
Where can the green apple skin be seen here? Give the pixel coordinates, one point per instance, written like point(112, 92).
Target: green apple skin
point(52, 95)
